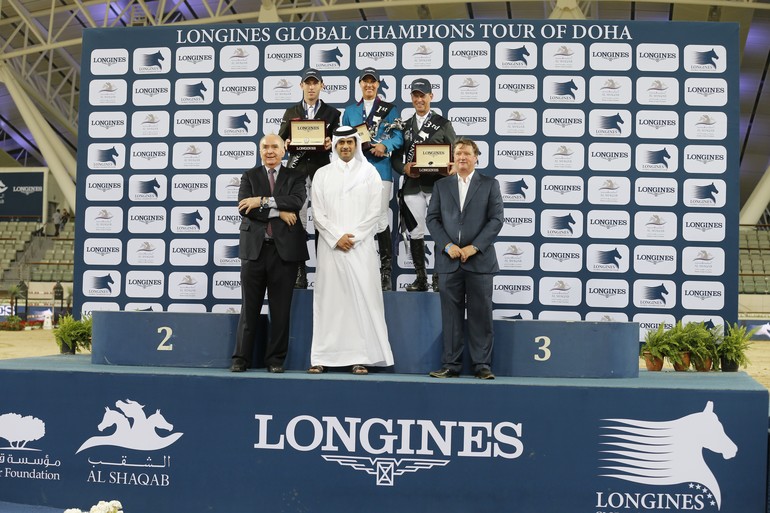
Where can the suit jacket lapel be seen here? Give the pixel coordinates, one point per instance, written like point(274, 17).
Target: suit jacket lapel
point(280, 181)
point(262, 183)
point(454, 191)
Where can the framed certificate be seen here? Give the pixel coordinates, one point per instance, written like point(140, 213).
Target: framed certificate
point(432, 158)
point(366, 136)
point(307, 135)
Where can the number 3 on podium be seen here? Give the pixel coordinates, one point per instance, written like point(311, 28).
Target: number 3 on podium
point(545, 341)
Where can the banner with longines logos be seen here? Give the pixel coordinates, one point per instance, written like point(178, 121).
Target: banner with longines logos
point(21, 195)
point(615, 146)
point(163, 441)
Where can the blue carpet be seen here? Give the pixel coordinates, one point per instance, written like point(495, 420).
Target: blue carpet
point(7, 507)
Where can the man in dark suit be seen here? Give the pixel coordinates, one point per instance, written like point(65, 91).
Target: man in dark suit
point(308, 162)
point(272, 243)
point(464, 217)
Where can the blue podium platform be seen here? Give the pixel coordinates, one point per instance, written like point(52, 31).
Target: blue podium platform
point(206, 440)
point(534, 348)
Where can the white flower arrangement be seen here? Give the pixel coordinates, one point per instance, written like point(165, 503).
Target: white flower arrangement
point(102, 507)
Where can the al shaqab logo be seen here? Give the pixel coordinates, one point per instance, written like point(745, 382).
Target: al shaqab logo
point(665, 453)
point(133, 429)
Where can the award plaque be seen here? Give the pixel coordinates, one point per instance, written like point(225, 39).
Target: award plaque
point(307, 135)
point(366, 137)
point(432, 159)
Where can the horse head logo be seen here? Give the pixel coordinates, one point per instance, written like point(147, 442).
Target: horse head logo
point(333, 56)
point(152, 60)
point(513, 250)
point(151, 119)
point(564, 51)
point(102, 282)
point(705, 119)
point(563, 222)
point(707, 58)
point(195, 90)
point(610, 83)
point(609, 185)
point(230, 251)
point(657, 85)
point(565, 88)
point(239, 122)
point(611, 122)
point(764, 330)
point(706, 192)
point(610, 257)
point(656, 293)
point(384, 86)
point(516, 188)
point(148, 187)
point(517, 54)
point(131, 428)
point(107, 155)
point(658, 157)
point(190, 219)
point(667, 452)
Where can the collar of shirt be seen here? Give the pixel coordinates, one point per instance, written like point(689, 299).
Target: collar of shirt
point(308, 107)
point(467, 179)
point(368, 104)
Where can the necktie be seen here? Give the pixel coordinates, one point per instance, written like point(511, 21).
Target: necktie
point(271, 177)
point(311, 111)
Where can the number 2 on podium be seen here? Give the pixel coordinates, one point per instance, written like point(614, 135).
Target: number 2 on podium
point(163, 346)
point(544, 348)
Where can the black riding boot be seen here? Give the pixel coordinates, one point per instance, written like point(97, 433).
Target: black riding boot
point(434, 283)
point(385, 245)
point(301, 282)
point(417, 248)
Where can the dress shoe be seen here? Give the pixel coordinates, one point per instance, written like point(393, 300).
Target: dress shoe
point(444, 373)
point(484, 374)
point(275, 369)
point(239, 365)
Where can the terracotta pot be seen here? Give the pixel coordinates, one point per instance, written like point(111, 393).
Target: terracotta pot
point(685, 365)
point(652, 363)
point(703, 366)
point(728, 365)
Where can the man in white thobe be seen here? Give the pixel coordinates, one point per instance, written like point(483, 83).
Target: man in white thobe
point(348, 312)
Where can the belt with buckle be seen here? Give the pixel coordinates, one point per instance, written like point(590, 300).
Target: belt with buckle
point(270, 242)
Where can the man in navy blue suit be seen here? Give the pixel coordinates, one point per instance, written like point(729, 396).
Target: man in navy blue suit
point(464, 217)
point(383, 124)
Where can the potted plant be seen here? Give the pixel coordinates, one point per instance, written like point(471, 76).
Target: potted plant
point(679, 347)
point(703, 351)
point(655, 347)
point(735, 344)
point(72, 334)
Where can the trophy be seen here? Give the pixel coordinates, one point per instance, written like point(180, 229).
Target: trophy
point(366, 136)
point(307, 135)
point(432, 159)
